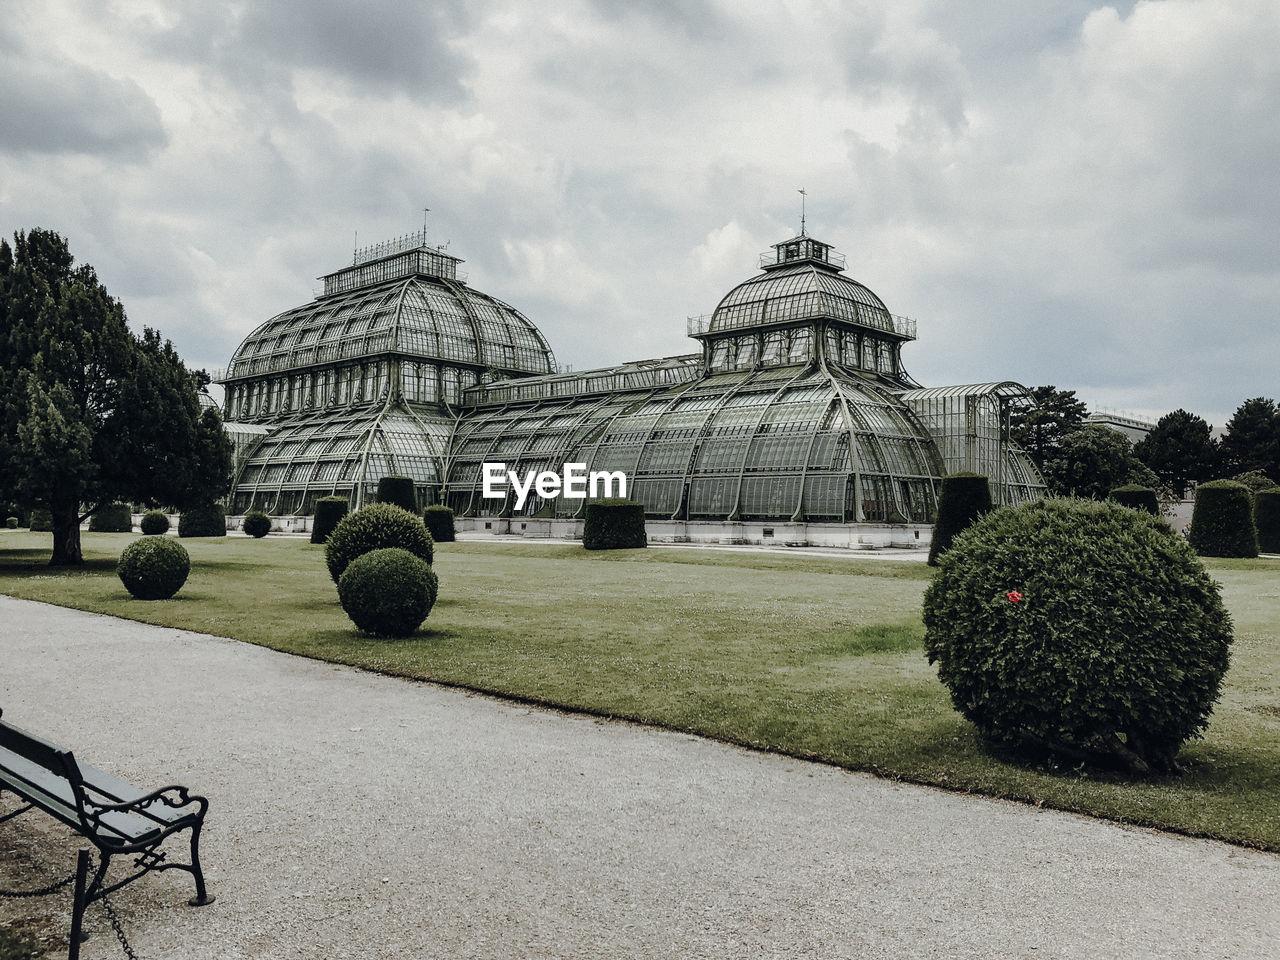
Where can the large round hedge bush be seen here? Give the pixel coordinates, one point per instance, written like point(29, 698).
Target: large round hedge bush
point(11, 523)
point(399, 491)
point(112, 518)
point(375, 527)
point(154, 523)
point(153, 568)
point(1222, 520)
point(439, 521)
point(388, 592)
point(257, 524)
point(1084, 627)
point(964, 497)
point(41, 521)
point(1136, 496)
point(1266, 515)
point(203, 520)
point(329, 513)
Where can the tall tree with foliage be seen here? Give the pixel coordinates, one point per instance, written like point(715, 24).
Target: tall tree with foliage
point(1181, 450)
point(1252, 438)
point(92, 413)
point(1040, 430)
point(1090, 463)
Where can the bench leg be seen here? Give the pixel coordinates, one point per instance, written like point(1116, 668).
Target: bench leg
point(202, 897)
point(78, 904)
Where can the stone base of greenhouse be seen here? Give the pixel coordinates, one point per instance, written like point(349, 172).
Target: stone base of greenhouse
point(849, 536)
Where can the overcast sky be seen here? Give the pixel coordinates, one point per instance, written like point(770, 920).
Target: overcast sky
point(1058, 192)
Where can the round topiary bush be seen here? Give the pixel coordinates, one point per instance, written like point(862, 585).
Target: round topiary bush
point(203, 520)
point(257, 524)
point(154, 523)
point(113, 518)
point(1136, 496)
point(1083, 627)
point(375, 527)
point(153, 568)
point(613, 524)
point(399, 491)
point(964, 497)
point(388, 592)
point(1222, 520)
point(439, 521)
point(1266, 515)
point(329, 512)
point(11, 523)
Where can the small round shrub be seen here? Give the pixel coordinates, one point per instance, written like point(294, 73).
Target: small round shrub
point(257, 524)
point(154, 523)
point(1137, 497)
point(613, 524)
point(1083, 627)
point(203, 520)
point(11, 523)
point(964, 497)
point(329, 511)
point(375, 527)
point(41, 521)
point(113, 518)
point(1222, 520)
point(1266, 515)
point(399, 491)
point(388, 592)
point(439, 521)
point(153, 568)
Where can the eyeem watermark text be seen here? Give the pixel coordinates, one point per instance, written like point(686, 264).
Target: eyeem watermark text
point(574, 483)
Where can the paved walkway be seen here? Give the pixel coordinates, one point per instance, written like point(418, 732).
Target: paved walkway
point(360, 816)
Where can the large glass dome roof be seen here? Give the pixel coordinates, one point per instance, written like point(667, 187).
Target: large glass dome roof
point(801, 281)
point(417, 317)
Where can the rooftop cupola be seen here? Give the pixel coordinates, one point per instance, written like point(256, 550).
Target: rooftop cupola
point(802, 249)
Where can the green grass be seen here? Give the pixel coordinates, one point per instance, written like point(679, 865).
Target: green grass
point(813, 657)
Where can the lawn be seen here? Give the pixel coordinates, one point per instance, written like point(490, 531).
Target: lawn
point(813, 657)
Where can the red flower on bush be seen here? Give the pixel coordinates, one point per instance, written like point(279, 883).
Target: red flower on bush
point(1014, 596)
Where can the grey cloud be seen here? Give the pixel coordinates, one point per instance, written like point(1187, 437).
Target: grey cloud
point(50, 105)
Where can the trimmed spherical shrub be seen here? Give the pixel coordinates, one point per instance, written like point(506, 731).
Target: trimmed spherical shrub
point(1222, 520)
point(154, 523)
point(1266, 515)
point(257, 524)
point(11, 523)
point(376, 527)
point(203, 520)
point(964, 497)
point(153, 568)
point(329, 513)
point(439, 521)
point(1086, 628)
point(388, 592)
point(113, 518)
point(1137, 497)
point(398, 491)
point(41, 521)
point(613, 524)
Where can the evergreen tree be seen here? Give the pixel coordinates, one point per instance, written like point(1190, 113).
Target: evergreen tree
point(1090, 463)
point(1041, 429)
point(92, 413)
point(1252, 438)
point(1181, 450)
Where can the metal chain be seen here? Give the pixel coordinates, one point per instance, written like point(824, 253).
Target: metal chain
point(119, 930)
point(43, 891)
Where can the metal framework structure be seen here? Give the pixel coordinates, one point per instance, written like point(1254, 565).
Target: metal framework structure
point(797, 407)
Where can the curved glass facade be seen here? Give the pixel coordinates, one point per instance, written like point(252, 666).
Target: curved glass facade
point(797, 407)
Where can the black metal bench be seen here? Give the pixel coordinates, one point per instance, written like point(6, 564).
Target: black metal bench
point(117, 818)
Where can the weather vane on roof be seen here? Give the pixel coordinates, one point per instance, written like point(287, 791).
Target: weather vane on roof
point(802, 196)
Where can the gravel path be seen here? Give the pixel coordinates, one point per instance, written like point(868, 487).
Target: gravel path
point(360, 816)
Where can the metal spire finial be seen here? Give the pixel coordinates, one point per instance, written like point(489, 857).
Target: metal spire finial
point(802, 198)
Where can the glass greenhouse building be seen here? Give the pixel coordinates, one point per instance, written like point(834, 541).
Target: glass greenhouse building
point(795, 409)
